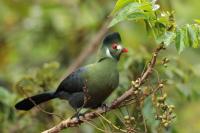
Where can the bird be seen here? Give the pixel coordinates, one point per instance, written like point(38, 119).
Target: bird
point(88, 86)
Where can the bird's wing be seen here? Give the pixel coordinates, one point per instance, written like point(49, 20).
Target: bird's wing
point(74, 82)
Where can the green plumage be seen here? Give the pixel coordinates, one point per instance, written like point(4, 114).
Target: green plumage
point(99, 79)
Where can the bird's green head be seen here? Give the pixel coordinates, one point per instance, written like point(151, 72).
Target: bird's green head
point(112, 46)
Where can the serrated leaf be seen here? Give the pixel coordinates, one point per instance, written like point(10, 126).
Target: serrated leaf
point(179, 41)
point(167, 38)
point(136, 16)
point(120, 4)
point(133, 11)
point(123, 13)
point(146, 7)
point(185, 37)
point(198, 34)
point(193, 35)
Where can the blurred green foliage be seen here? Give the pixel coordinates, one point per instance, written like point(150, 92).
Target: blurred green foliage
point(39, 39)
point(160, 23)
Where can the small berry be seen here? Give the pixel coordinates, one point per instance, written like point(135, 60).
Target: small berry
point(166, 124)
point(135, 92)
point(132, 118)
point(126, 117)
point(171, 106)
point(161, 85)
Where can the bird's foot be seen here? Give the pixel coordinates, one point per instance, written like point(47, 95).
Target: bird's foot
point(77, 116)
point(104, 107)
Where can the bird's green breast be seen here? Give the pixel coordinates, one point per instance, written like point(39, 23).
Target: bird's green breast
point(101, 79)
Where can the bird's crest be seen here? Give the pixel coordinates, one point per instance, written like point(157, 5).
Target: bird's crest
point(111, 38)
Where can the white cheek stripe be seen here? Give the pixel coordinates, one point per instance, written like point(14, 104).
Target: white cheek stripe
point(108, 53)
point(119, 47)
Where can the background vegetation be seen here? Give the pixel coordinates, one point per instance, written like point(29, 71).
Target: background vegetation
point(40, 39)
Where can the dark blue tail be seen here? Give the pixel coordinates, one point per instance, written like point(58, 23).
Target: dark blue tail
point(30, 102)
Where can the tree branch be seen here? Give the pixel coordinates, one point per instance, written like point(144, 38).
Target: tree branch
point(116, 103)
point(91, 47)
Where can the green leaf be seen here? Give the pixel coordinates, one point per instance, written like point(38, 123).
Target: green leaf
point(183, 90)
point(149, 114)
point(120, 4)
point(185, 37)
point(6, 97)
point(197, 27)
point(133, 11)
point(167, 38)
point(193, 32)
point(136, 16)
point(179, 40)
point(197, 21)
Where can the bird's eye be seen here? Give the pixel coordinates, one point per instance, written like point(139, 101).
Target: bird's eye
point(114, 46)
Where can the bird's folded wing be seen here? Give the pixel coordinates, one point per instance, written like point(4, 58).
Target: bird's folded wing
point(74, 82)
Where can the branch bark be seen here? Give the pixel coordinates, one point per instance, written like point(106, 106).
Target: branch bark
point(115, 104)
point(90, 48)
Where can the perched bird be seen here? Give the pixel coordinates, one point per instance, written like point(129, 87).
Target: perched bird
point(98, 79)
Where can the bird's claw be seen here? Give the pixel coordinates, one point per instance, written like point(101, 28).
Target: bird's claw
point(77, 116)
point(104, 107)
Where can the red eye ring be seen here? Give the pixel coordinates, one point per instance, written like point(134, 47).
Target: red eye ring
point(114, 46)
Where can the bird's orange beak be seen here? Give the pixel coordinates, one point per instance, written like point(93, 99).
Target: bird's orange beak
point(124, 50)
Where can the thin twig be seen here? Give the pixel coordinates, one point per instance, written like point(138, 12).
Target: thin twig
point(158, 78)
point(140, 80)
point(102, 123)
point(86, 97)
point(86, 94)
point(114, 126)
point(38, 106)
point(119, 118)
point(95, 126)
